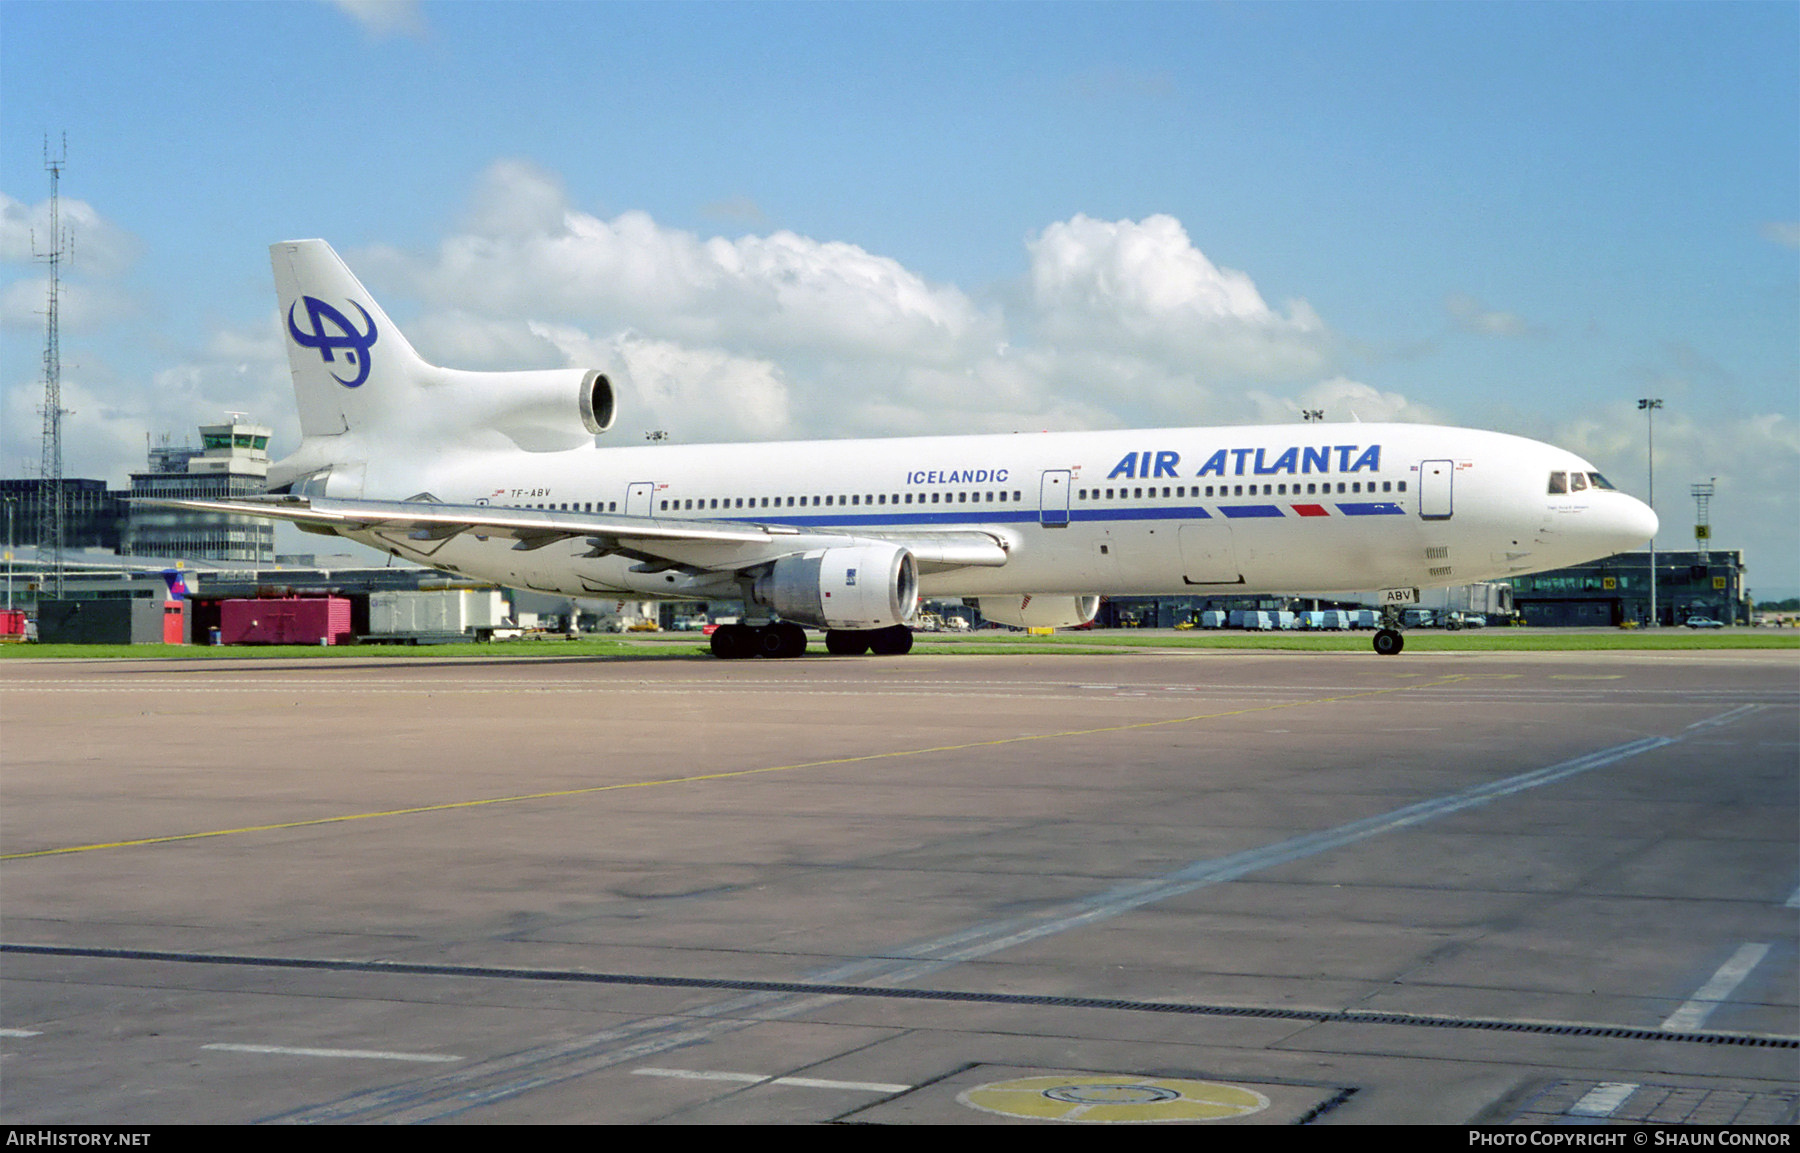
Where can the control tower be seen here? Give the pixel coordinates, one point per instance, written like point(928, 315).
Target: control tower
point(232, 461)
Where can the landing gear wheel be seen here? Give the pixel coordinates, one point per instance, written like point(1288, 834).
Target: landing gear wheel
point(894, 641)
point(1388, 642)
point(734, 642)
point(780, 640)
point(846, 642)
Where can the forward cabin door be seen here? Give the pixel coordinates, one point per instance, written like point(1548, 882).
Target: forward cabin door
point(1436, 479)
point(1053, 499)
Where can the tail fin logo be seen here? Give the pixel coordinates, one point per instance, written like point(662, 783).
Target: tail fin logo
point(353, 344)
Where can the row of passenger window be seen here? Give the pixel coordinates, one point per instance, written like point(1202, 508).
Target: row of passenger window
point(1313, 488)
point(836, 500)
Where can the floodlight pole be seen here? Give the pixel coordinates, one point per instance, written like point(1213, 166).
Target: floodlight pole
point(1648, 405)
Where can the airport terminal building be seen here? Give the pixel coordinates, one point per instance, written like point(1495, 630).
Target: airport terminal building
point(1616, 590)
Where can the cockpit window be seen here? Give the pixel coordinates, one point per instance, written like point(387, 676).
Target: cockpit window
point(1577, 481)
point(1559, 482)
point(1600, 481)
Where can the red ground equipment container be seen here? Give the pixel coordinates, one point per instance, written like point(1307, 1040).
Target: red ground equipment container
point(12, 624)
point(285, 621)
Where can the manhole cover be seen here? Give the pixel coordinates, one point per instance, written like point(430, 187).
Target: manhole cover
point(1114, 1100)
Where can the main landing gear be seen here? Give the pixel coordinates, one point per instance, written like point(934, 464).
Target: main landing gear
point(783, 639)
point(893, 641)
point(780, 639)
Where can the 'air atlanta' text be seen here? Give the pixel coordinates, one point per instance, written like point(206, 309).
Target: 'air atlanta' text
point(1251, 461)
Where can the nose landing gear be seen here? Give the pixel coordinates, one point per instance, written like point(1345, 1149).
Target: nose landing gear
point(1388, 641)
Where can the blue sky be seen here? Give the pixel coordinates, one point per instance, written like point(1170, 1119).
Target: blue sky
point(774, 220)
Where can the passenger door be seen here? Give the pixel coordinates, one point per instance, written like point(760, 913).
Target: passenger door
point(1436, 480)
point(1053, 499)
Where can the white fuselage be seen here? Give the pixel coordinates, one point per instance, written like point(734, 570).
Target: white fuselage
point(1196, 511)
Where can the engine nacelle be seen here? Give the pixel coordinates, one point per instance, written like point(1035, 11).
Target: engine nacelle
point(541, 411)
point(1040, 612)
point(868, 586)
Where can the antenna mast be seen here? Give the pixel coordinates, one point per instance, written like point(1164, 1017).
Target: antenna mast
point(52, 500)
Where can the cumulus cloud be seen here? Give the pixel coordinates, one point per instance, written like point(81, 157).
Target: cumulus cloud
point(384, 18)
point(1341, 398)
point(1783, 232)
point(526, 253)
point(1143, 286)
point(81, 307)
point(95, 246)
point(96, 253)
point(1471, 315)
point(709, 393)
point(1116, 323)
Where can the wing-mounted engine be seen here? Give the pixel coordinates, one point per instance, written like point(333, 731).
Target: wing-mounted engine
point(865, 586)
point(542, 411)
point(1040, 612)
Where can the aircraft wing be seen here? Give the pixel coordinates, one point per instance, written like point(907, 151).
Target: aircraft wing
point(938, 552)
point(706, 544)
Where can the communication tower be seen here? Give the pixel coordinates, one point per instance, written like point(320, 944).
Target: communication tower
point(53, 505)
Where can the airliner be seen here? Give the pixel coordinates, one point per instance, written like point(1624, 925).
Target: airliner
point(506, 477)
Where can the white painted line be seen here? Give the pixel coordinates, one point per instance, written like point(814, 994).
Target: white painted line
point(1723, 718)
point(1793, 902)
point(864, 1086)
point(759, 1078)
point(700, 1075)
point(1710, 995)
point(360, 1054)
point(1603, 1099)
point(20, 1033)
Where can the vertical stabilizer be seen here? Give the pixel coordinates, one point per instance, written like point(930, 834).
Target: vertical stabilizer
point(353, 371)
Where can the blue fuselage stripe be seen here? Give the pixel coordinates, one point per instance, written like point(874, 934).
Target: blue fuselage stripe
point(848, 520)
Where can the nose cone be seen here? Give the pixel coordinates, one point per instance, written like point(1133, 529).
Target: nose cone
point(1623, 524)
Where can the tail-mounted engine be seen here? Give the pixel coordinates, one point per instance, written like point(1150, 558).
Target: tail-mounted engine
point(869, 586)
point(541, 411)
